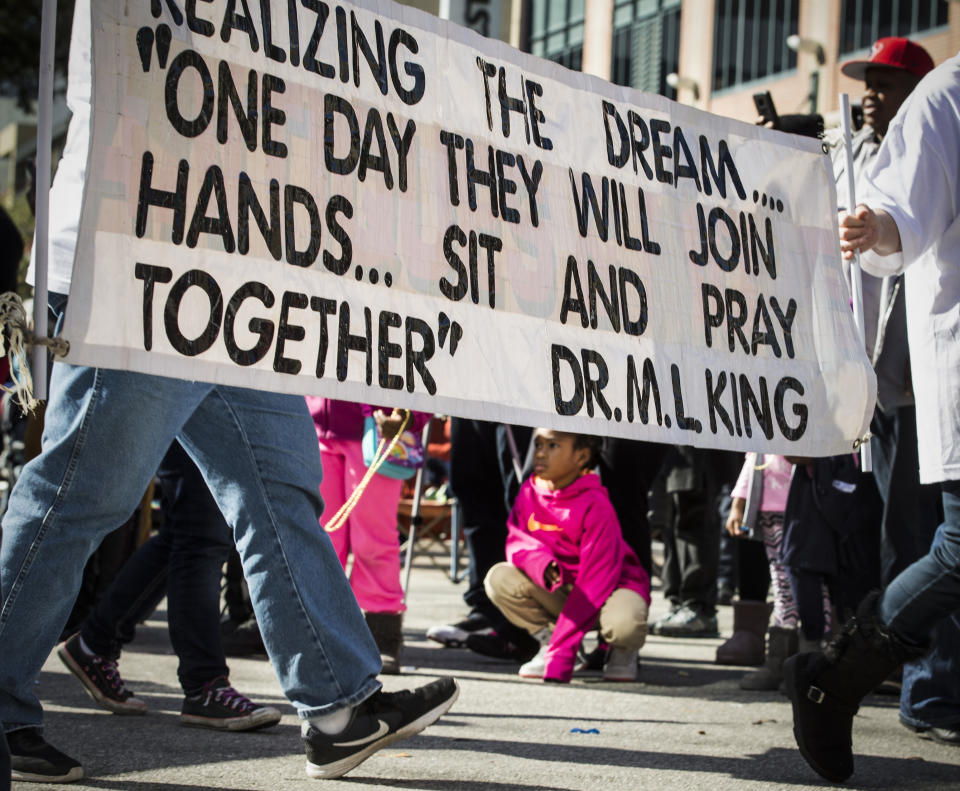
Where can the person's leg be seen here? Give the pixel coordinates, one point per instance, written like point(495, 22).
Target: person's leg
point(139, 586)
point(623, 626)
point(698, 544)
point(826, 689)
point(475, 480)
point(375, 544)
point(92, 654)
point(321, 649)
point(520, 599)
point(105, 434)
point(930, 689)
point(375, 576)
point(808, 593)
point(268, 491)
point(930, 696)
point(627, 469)
point(623, 619)
point(782, 636)
point(200, 543)
point(481, 478)
point(334, 493)
point(929, 589)
point(911, 510)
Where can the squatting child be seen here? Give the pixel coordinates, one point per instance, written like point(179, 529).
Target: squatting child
point(568, 566)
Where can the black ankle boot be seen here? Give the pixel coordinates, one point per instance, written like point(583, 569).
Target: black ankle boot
point(826, 688)
point(387, 631)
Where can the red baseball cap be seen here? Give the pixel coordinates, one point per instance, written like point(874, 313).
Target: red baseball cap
point(892, 52)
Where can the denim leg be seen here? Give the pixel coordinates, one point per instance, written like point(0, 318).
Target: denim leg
point(200, 541)
point(105, 433)
point(929, 589)
point(265, 480)
point(930, 696)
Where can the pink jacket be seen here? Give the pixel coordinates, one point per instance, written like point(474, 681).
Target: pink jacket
point(577, 527)
point(777, 472)
point(344, 419)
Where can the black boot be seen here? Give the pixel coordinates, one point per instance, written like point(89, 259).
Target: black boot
point(781, 643)
point(826, 688)
point(387, 631)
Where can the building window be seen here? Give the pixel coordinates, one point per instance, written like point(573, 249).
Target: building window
point(646, 44)
point(864, 21)
point(750, 40)
point(556, 31)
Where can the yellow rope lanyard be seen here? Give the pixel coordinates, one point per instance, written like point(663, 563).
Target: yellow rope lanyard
point(383, 452)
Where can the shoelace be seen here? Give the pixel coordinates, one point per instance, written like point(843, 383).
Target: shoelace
point(112, 674)
point(232, 699)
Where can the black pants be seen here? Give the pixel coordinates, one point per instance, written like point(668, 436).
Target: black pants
point(627, 469)
point(483, 479)
point(184, 561)
point(691, 552)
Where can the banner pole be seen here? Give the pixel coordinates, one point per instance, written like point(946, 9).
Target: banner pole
point(48, 28)
point(856, 282)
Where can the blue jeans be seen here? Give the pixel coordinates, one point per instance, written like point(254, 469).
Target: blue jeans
point(930, 695)
point(106, 432)
point(184, 560)
point(928, 591)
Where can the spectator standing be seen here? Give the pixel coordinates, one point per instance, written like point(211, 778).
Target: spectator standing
point(369, 532)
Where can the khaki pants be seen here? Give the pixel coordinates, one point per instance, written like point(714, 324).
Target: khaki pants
point(622, 621)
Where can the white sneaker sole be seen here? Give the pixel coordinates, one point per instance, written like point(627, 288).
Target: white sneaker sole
point(28, 777)
point(341, 767)
point(265, 717)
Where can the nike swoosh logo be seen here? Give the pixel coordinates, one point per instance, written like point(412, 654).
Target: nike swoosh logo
point(381, 731)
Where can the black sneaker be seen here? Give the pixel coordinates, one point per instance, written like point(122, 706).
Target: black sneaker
point(101, 678)
point(454, 635)
point(498, 647)
point(33, 760)
point(382, 719)
point(220, 707)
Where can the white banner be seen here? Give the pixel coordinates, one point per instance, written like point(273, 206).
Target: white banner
point(364, 202)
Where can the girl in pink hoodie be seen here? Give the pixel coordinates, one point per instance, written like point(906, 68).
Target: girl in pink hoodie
point(568, 566)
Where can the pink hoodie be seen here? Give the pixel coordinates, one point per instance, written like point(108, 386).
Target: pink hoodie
point(577, 527)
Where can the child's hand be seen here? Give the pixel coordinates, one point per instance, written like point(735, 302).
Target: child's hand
point(735, 520)
point(551, 576)
point(389, 425)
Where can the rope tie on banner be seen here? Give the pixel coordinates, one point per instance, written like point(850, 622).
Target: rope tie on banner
point(383, 452)
point(862, 441)
point(15, 337)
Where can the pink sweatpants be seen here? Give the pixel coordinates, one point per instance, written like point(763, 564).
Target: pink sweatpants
point(370, 532)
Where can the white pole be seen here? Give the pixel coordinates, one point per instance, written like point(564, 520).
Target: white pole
point(48, 28)
point(856, 284)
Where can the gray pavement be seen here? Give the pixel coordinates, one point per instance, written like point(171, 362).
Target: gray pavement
point(685, 724)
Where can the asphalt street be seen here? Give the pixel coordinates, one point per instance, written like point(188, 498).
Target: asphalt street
point(684, 725)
